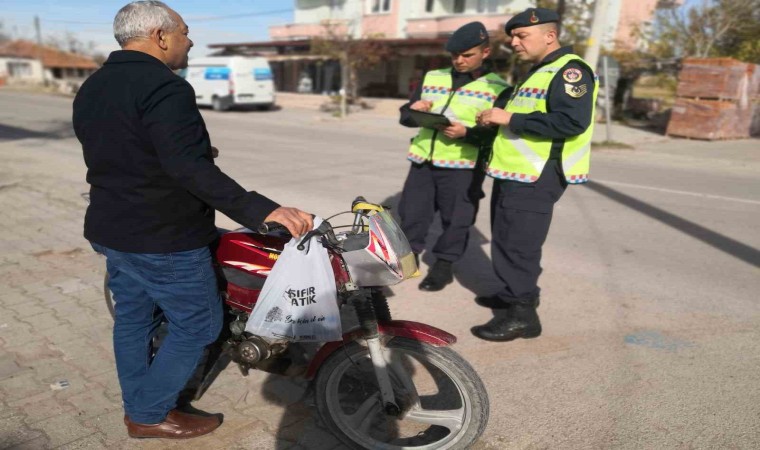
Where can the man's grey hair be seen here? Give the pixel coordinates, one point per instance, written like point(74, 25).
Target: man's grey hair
point(139, 19)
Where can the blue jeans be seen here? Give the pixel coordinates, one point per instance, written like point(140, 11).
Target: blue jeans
point(184, 286)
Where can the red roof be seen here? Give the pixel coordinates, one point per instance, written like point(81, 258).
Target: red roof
point(50, 57)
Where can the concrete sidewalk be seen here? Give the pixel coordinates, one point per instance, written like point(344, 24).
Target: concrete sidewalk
point(388, 109)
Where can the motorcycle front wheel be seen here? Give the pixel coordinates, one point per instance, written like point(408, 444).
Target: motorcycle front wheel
point(444, 404)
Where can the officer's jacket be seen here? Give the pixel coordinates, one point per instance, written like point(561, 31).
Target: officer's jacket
point(460, 104)
point(552, 118)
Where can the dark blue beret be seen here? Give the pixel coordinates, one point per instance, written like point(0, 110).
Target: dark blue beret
point(467, 37)
point(530, 17)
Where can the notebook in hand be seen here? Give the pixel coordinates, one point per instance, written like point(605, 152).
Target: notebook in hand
point(429, 120)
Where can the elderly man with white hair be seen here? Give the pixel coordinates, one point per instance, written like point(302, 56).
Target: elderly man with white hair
point(153, 189)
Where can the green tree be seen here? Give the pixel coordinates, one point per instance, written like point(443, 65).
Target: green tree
point(741, 41)
point(711, 28)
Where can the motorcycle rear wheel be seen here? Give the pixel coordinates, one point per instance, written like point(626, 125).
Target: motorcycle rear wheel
point(445, 403)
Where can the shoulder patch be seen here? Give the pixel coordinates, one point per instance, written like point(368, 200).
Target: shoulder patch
point(572, 75)
point(576, 91)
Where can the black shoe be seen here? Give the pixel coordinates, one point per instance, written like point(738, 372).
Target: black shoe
point(494, 302)
point(438, 277)
point(517, 321)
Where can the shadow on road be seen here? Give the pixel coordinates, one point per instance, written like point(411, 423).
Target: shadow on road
point(474, 271)
point(61, 130)
point(723, 243)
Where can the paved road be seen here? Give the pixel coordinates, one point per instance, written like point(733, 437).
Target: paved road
point(650, 307)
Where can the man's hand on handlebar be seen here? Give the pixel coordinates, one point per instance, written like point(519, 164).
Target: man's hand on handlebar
point(296, 221)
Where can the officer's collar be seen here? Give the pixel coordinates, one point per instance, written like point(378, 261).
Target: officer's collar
point(556, 54)
point(484, 69)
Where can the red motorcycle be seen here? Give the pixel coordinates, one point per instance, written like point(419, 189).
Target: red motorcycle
point(389, 384)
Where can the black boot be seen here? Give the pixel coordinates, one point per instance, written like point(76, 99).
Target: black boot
point(438, 277)
point(519, 320)
point(494, 302)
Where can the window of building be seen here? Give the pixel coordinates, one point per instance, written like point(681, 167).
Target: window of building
point(429, 5)
point(459, 6)
point(380, 6)
point(488, 6)
point(18, 69)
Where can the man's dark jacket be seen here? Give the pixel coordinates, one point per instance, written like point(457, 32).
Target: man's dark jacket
point(153, 183)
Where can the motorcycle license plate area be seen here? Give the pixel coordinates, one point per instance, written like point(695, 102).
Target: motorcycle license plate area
point(387, 259)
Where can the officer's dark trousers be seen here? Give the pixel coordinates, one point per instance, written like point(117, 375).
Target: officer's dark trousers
point(454, 193)
point(520, 217)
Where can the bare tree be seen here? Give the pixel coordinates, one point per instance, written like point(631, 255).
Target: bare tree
point(353, 54)
point(575, 20)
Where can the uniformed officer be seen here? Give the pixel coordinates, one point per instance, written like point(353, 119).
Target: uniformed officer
point(543, 145)
point(443, 175)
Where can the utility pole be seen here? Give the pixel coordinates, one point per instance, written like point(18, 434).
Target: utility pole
point(597, 32)
point(39, 47)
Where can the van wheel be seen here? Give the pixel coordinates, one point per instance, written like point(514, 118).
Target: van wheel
point(218, 105)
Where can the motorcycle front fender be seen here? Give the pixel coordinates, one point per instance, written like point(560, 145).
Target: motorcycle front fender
point(396, 328)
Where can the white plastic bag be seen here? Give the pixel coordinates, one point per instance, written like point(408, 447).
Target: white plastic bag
point(298, 301)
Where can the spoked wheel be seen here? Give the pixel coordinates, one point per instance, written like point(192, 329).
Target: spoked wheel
point(443, 401)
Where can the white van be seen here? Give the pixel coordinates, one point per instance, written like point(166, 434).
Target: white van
point(225, 81)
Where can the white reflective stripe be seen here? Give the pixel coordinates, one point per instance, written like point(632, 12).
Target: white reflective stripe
point(548, 69)
point(523, 102)
point(537, 161)
point(452, 116)
point(568, 163)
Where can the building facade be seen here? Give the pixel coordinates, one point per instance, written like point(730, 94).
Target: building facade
point(25, 61)
point(625, 17)
point(415, 31)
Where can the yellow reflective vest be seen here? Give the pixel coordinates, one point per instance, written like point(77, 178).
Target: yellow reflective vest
point(522, 158)
point(461, 105)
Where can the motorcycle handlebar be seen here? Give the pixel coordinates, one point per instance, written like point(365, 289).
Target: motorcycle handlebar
point(324, 229)
point(270, 227)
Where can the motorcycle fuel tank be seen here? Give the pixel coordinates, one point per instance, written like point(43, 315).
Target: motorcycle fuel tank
point(246, 258)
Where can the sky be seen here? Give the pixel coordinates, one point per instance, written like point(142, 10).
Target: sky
point(210, 21)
